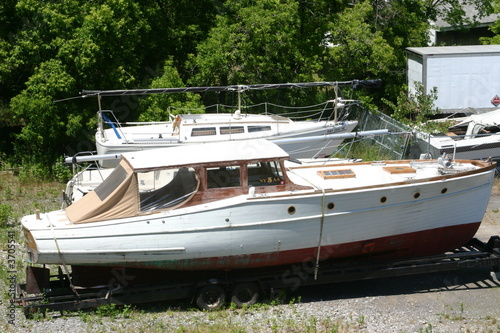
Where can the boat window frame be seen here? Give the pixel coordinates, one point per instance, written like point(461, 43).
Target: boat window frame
point(258, 128)
point(204, 131)
point(269, 173)
point(223, 177)
point(227, 130)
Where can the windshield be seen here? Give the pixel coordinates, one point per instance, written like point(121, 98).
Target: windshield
point(166, 189)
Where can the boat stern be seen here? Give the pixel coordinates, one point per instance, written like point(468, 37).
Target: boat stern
point(38, 226)
point(31, 246)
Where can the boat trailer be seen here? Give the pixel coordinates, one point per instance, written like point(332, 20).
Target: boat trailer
point(210, 290)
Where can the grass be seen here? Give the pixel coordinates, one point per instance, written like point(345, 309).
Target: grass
point(365, 150)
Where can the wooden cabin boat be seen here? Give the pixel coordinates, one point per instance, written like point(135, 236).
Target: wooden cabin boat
point(243, 204)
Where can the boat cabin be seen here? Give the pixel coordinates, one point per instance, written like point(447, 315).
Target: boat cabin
point(164, 179)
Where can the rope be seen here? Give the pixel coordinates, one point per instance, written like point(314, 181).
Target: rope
point(322, 222)
point(65, 268)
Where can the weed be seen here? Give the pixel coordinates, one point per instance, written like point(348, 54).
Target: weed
point(7, 193)
point(61, 172)
point(427, 329)
point(455, 315)
point(5, 215)
point(112, 310)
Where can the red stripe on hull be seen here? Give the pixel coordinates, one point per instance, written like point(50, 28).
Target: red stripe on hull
point(416, 244)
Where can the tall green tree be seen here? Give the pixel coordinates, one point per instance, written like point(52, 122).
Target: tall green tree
point(257, 41)
point(161, 107)
point(105, 44)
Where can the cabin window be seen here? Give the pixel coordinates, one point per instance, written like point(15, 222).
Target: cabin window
point(232, 130)
point(264, 174)
point(252, 129)
point(203, 131)
point(166, 188)
point(226, 176)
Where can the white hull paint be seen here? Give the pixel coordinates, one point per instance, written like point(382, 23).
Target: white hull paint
point(260, 230)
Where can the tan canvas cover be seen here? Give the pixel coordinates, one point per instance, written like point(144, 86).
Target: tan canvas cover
point(108, 200)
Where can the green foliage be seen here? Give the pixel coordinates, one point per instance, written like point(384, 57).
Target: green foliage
point(113, 311)
point(495, 27)
point(256, 42)
point(353, 37)
point(5, 215)
point(51, 50)
point(61, 172)
point(415, 109)
point(31, 172)
point(43, 121)
point(157, 106)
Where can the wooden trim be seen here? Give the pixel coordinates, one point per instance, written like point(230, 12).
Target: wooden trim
point(399, 169)
point(336, 174)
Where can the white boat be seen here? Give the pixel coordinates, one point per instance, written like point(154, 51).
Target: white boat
point(203, 128)
point(214, 127)
point(475, 137)
point(242, 204)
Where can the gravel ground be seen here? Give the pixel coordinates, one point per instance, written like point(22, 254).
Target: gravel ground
point(465, 301)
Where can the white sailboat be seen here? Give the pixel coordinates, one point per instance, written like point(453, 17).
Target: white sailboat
point(214, 127)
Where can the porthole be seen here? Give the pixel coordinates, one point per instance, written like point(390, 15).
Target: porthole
point(291, 210)
point(383, 199)
point(416, 195)
point(444, 190)
point(330, 205)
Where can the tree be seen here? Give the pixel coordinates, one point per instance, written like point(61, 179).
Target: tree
point(44, 122)
point(495, 28)
point(416, 109)
point(255, 42)
point(156, 107)
point(106, 44)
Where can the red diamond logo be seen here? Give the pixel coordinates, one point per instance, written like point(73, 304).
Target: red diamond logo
point(496, 100)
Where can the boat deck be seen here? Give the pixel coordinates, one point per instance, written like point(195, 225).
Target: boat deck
point(356, 175)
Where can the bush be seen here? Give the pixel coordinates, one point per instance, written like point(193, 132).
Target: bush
point(61, 172)
point(5, 215)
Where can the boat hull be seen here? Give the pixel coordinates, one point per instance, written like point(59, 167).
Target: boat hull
point(479, 148)
point(388, 222)
point(315, 149)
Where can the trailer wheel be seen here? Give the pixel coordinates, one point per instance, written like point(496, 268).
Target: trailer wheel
point(245, 294)
point(210, 297)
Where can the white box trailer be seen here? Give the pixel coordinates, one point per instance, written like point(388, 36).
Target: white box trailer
point(467, 77)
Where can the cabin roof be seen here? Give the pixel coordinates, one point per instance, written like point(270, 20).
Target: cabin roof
point(189, 155)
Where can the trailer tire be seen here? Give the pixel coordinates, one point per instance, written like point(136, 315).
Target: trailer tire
point(245, 294)
point(210, 297)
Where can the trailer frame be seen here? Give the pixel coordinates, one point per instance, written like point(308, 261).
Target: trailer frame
point(43, 293)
